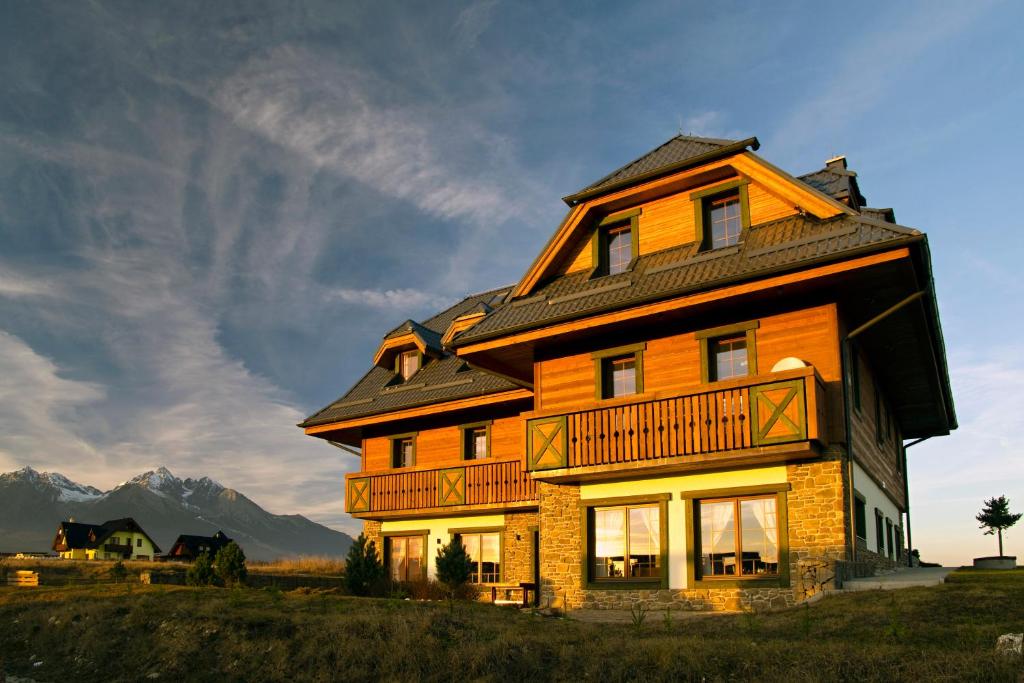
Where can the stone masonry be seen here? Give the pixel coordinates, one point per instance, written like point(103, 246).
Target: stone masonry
point(560, 571)
point(817, 539)
point(371, 529)
point(518, 543)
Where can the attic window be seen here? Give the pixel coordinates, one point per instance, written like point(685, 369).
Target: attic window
point(721, 213)
point(616, 243)
point(408, 364)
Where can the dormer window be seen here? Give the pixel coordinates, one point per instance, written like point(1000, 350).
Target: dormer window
point(620, 251)
point(615, 243)
point(721, 213)
point(408, 364)
point(724, 220)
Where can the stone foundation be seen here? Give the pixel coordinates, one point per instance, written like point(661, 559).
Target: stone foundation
point(818, 523)
point(518, 541)
point(559, 521)
point(873, 559)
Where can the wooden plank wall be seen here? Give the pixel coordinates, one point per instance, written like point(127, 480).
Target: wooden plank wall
point(880, 460)
point(440, 446)
point(672, 363)
point(669, 221)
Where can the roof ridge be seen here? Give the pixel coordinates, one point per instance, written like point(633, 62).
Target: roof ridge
point(715, 141)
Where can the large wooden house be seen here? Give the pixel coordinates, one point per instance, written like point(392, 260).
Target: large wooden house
point(700, 393)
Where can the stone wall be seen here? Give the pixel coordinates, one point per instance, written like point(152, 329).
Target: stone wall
point(371, 529)
point(817, 532)
point(559, 521)
point(519, 546)
point(818, 523)
point(872, 558)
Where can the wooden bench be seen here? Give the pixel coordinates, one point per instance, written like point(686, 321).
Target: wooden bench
point(507, 590)
point(23, 578)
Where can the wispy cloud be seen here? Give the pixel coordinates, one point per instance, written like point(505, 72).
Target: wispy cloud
point(472, 21)
point(389, 299)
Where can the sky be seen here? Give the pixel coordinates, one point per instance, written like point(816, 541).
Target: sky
point(210, 213)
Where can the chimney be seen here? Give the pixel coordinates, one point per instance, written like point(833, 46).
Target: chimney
point(71, 519)
point(836, 163)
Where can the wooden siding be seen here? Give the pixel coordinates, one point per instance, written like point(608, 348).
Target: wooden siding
point(669, 222)
point(441, 446)
point(672, 363)
point(881, 460)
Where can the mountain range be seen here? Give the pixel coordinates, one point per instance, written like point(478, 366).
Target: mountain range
point(32, 504)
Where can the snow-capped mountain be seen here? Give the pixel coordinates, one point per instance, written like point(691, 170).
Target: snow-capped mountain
point(33, 503)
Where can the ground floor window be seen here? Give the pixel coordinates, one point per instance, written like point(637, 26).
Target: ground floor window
point(406, 559)
point(739, 537)
point(484, 549)
point(626, 542)
point(860, 515)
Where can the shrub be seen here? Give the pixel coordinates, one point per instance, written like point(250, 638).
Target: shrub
point(118, 572)
point(201, 572)
point(453, 566)
point(230, 565)
point(364, 572)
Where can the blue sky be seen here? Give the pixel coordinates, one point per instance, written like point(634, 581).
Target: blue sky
point(211, 212)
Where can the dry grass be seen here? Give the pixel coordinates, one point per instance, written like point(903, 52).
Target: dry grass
point(945, 633)
point(319, 565)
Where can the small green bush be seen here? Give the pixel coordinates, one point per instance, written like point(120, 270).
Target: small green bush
point(201, 572)
point(364, 572)
point(230, 565)
point(118, 572)
point(454, 566)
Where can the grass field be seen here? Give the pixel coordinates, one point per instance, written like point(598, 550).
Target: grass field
point(88, 571)
point(127, 632)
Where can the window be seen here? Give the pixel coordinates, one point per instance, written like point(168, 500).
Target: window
point(860, 515)
point(888, 535)
point(739, 537)
point(619, 249)
point(879, 532)
point(619, 371)
point(723, 220)
point(626, 543)
point(898, 536)
point(406, 558)
point(720, 214)
point(615, 243)
point(408, 364)
point(484, 549)
point(403, 451)
point(138, 542)
point(476, 441)
point(728, 352)
point(728, 358)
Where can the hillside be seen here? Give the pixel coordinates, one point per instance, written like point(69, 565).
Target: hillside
point(33, 503)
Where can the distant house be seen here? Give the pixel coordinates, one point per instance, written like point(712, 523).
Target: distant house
point(187, 548)
point(117, 539)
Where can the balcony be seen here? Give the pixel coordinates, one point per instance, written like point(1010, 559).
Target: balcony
point(492, 485)
point(123, 549)
point(753, 419)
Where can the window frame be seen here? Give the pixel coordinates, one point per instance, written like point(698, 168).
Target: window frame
point(465, 434)
point(587, 537)
point(707, 337)
point(889, 540)
point(393, 441)
point(860, 516)
point(477, 531)
point(599, 240)
point(601, 360)
point(398, 363)
point(701, 202)
point(692, 500)
point(386, 540)
point(879, 532)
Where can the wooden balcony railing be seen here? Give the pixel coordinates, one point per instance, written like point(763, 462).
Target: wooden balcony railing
point(479, 483)
point(781, 408)
point(124, 548)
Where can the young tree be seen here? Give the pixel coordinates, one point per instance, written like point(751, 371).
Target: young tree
point(363, 568)
point(118, 572)
point(454, 566)
point(200, 573)
point(230, 564)
point(996, 516)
